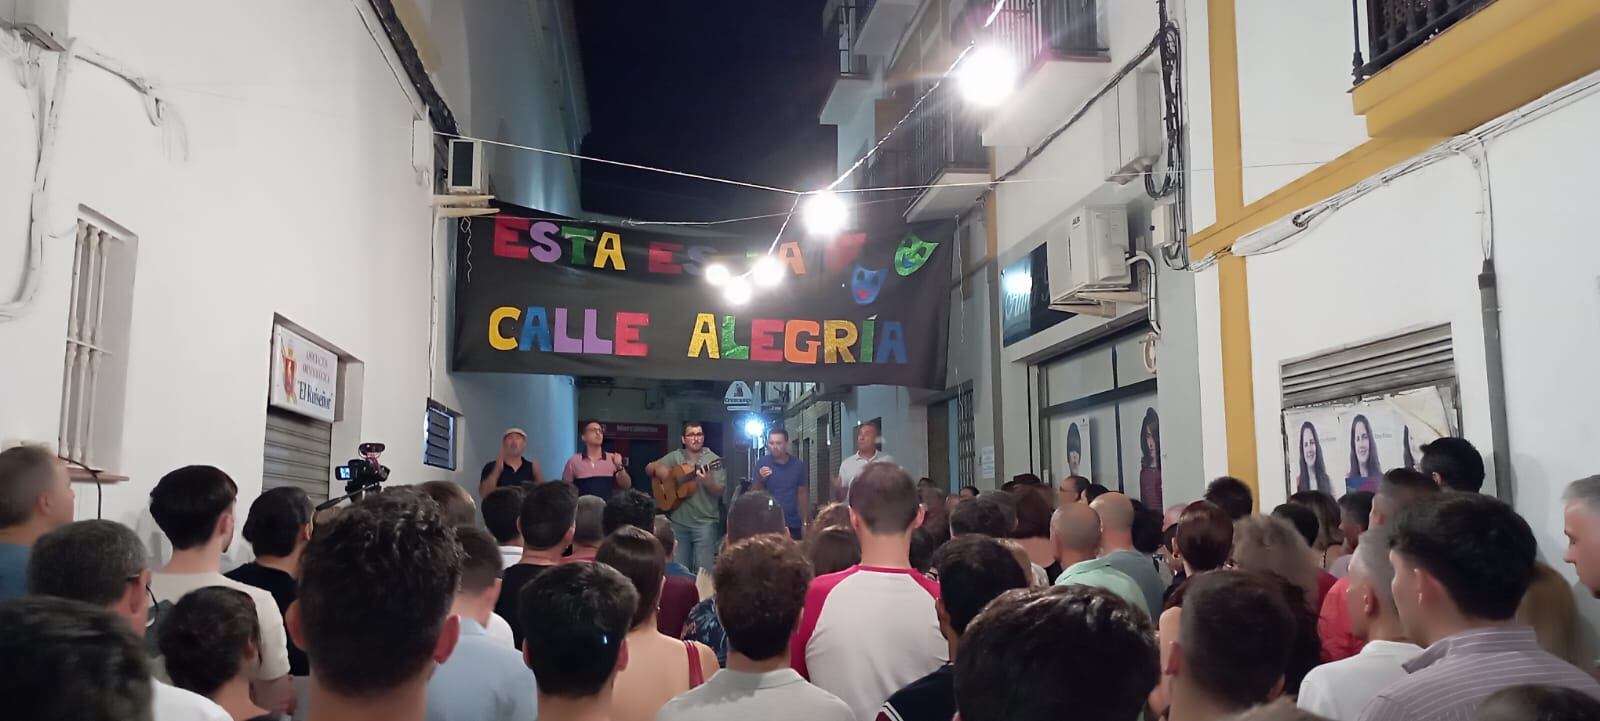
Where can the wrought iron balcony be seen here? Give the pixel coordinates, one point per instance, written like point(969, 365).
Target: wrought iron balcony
point(939, 143)
point(847, 20)
point(1396, 27)
point(1040, 30)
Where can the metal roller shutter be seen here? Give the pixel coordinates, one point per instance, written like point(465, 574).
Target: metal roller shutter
point(299, 452)
point(1407, 360)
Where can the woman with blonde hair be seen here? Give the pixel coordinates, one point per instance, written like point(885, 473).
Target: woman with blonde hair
point(1264, 543)
point(1549, 608)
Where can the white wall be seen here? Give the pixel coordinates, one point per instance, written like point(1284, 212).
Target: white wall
point(298, 198)
point(1294, 90)
point(1410, 254)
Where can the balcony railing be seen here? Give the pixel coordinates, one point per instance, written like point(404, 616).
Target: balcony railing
point(847, 28)
point(936, 137)
point(1396, 27)
point(1039, 30)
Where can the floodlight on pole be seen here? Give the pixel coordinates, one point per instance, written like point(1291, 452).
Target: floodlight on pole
point(987, 75)
point(825, 213)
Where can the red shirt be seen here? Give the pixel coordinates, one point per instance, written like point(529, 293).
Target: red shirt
point(1333, 624)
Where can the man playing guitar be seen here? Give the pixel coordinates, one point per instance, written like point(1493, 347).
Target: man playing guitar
point(694, 520)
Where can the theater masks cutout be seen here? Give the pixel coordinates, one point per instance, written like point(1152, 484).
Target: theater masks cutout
point(912, 254)
point(866, 284)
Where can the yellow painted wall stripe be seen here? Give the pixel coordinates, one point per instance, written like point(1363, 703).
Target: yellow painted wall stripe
point(1238, 385)
point(1238, 389)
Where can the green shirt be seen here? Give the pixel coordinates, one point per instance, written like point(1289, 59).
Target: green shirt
point(1099, 573)
point(700, 509)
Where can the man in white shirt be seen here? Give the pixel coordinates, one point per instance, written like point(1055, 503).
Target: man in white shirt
point(484, 678)
point(866, 452)
point(871, 629)
point(102, 563)
point(1339, 690)
point(194, 506)
point(500, 511)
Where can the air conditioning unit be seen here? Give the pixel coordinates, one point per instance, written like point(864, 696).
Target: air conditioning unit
point(465, 169)
point(1132, 125)
point(1087, 252)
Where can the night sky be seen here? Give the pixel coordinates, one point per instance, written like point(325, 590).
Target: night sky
point(726, 88)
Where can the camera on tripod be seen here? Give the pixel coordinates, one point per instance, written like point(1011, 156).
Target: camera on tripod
point(365, 473)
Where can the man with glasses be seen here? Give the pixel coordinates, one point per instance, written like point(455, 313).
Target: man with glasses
point(102, 563)
point(594, 471)
point(694, 521)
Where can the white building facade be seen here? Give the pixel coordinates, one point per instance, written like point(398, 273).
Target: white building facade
point(220, 174)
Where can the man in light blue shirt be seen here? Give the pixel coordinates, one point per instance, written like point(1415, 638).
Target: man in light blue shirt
point(484, 678)
point(35, 498)
point(1075, 531)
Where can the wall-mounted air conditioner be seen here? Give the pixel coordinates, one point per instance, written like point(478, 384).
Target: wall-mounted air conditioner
point(1087, 251)
point(465, 170)
point(1131, 118)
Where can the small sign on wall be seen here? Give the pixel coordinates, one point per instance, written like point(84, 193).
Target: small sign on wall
point(305, 376)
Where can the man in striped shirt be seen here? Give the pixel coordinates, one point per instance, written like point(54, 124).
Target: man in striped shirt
point(1462, 564)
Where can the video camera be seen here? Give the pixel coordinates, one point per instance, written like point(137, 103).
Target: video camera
point(363, 474)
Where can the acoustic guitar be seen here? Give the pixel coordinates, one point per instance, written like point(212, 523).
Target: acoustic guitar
point(675, 484)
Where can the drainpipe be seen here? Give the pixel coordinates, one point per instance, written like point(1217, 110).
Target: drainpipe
point(1489, 294)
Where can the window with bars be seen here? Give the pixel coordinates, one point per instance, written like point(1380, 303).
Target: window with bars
point(94, 366)
point(439, 436)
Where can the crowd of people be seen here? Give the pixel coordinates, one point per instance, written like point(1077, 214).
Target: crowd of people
point(899, 601)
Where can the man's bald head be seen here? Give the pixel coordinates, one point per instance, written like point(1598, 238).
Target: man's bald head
point(1116, 512)
point(1076, 527)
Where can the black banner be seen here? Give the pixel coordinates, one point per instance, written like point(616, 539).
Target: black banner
point(536, 293)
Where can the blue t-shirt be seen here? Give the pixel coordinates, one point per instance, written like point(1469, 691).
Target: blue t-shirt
point(784, 484)
point(13, 571)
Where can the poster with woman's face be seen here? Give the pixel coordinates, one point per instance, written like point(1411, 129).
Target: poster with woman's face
point(1347, 447)
point(1080, 452)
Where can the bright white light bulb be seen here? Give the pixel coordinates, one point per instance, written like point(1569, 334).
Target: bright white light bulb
point(825, 213)
point(753, 428)
point(767, 272)
point(1018, 284)
point(737, 290)
point(987, 75)
point(717, 274)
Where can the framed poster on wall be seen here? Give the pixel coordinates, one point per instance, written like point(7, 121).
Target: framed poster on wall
point(1080, 449)
point(1346, 446)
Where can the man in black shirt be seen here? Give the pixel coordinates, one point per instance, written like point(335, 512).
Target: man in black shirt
point(510, 468)
point(548, 514)
point(973, 570)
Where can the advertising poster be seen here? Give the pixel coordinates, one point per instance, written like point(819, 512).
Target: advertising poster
point(1343, 447)
point(1080, 451)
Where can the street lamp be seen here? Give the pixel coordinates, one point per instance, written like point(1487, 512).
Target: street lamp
point(825, 213)
point(987, 75)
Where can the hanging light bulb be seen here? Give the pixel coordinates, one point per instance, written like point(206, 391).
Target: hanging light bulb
point(717, 274)
point(825, 213)
point(767, 272)
point(987, 75)
point(737, 290)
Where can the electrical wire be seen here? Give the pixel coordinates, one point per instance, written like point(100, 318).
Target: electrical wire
point(618, 163)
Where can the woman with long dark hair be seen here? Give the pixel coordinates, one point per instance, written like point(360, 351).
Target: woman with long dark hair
point(1074, 450)
point(1150, 459)
point(1365, 470)
point(1313, 470)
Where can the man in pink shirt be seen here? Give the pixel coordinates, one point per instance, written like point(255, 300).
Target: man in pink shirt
point(594, 471)
point(871, 629)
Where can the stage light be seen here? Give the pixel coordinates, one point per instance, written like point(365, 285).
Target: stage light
point(767, 272)
point(717, 274)
point(737, 290)
point(987, 75)
point(825, 213)
point(1017, 283)
point(754, 428)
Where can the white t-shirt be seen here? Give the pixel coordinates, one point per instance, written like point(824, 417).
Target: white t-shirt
point(510, 556)
point(170, 703)
point(1340, 690)
point(853, 465)
point(867, 632)
point(500, 630)
point(169, 587)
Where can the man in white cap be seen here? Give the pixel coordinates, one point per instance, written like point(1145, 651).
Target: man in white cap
point(510, 468)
